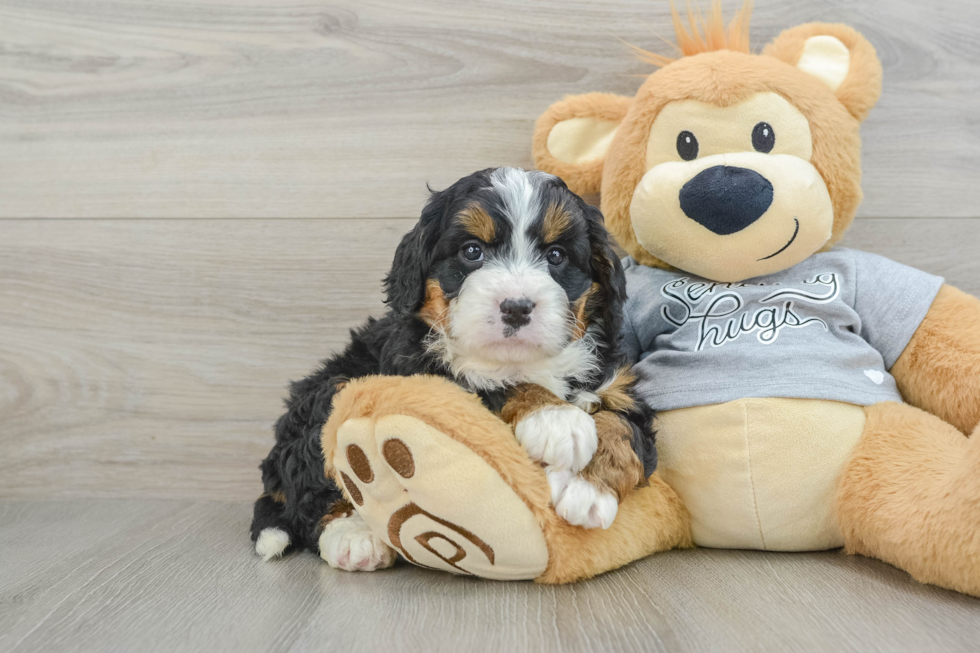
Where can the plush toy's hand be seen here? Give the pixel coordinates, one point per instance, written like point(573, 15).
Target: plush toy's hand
point(579, 502)
point(939, 371)
point(563, 437)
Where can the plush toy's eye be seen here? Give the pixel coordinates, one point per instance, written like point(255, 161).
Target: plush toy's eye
point(556, 255)
point(763, 137)
point(472, 252)
point(687, 146)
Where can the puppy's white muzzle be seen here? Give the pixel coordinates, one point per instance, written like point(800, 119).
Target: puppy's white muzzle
point(509, 311)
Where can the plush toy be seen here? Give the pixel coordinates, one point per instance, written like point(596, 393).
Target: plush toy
point(443, 481)
point(810, 396)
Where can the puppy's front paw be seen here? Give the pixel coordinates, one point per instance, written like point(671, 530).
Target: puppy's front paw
point(349, 544)
point(579, 502)
point(563, 437)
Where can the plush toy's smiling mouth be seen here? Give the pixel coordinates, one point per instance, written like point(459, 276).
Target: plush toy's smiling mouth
point(783, 248)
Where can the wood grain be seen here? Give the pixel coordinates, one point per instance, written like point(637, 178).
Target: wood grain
point(345, 108)
point(142, 361)
point(137, 575)
point(147, 358)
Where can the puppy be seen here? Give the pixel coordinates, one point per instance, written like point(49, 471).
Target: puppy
point(508, 286)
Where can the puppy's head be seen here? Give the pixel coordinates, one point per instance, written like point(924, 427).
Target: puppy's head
point(508, 266)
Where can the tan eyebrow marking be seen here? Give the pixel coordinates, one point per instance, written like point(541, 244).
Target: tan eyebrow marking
point(478, 222)
point(557, 220)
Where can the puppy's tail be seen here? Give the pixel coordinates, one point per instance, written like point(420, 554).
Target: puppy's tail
point(271, 533)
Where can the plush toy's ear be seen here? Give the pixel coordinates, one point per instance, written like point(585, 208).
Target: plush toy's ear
point(571, 138)
point(836, 55)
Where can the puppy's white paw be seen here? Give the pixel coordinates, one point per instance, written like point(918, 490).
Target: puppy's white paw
point(579, 502)
point(559, 436)
point(271, 543)
point(349, 544)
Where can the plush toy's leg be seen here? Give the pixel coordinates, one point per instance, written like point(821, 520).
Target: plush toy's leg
point(445, 483)
point(438, 477)
point(910, 496)
point(651, 519)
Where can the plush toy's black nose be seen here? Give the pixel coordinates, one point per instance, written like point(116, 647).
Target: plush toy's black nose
point(516, 313)
point(726, 199)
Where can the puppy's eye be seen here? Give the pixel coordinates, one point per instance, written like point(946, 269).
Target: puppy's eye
point(556, 256)
point(763, 137)
point(471, 252)
point(687, 146)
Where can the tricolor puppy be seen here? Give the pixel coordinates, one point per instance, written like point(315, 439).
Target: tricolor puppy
point(507, 285)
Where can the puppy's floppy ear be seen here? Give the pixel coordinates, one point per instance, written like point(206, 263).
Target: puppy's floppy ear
point(404, 284)
point(571, 138)
point(607, 271)
point(838, 56)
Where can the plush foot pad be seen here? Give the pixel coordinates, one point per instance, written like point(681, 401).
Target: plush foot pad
point(271, 543)
point(436, 501)
point(579, 502)
point(349, 544)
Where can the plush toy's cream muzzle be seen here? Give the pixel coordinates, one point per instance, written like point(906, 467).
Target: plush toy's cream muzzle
point(731, 217)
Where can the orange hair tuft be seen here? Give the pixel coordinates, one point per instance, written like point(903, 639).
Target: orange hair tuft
point(704, 34)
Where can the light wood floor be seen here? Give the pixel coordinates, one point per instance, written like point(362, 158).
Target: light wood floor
point(130, 575)
point(198, 199)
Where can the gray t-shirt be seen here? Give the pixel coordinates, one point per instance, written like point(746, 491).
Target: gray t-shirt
point(828, 328)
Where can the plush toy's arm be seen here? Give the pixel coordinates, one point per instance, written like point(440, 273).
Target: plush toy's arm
point(939, 371)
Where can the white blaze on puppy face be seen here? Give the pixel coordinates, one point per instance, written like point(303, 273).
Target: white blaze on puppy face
point(521, 205)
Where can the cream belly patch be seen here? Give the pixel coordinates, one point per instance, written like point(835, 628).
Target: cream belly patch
point(760, 473)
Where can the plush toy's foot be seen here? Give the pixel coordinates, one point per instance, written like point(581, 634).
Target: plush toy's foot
point(444, 482)
point(911, 496)
point(430, 497)
point(349, 544)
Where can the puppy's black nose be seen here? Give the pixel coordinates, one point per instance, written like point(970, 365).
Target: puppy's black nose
point(516, 312)
point(726, 199)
